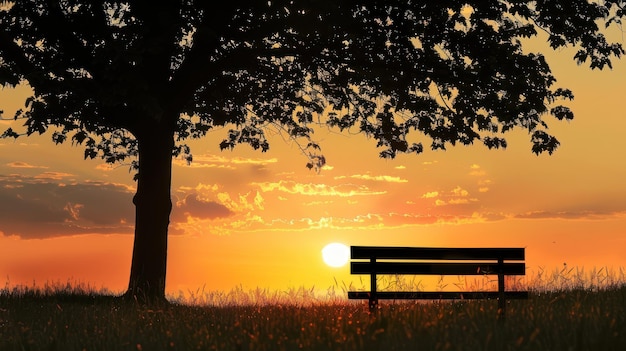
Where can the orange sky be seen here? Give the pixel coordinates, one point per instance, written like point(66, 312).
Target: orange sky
point(245, 218)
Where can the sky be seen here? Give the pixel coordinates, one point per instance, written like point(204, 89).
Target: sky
point(246, 219)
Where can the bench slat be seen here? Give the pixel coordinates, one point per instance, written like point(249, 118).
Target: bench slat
point(437, 295)
point(479, 268)
point(436, 253)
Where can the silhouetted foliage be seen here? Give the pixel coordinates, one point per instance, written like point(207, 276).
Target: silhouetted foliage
point(138, 78)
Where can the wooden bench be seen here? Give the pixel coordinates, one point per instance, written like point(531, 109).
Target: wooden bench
point(377, 260)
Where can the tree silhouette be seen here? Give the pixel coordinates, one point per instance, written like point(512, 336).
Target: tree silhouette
point(135, 79)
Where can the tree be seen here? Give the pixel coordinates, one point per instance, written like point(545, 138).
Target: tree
point(134, 79)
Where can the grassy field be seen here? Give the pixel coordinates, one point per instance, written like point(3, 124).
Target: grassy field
point(577, 315)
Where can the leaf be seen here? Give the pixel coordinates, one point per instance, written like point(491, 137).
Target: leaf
point(225, 144)
point(313, 145)
point(542, 142)
point(495, 142)
point(562, 112)
point(58, 138)
point(79, 137)
point(416, 148)
point(9, 133)
point(90, 153)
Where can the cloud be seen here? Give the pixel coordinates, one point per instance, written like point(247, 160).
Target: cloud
point(200, 188)
point(455, 201)
point(194, 164)
point(493, 216)
point(53, 175)
point(476, 171)
point(458, 191)
point(368, 221)
point(41, 206)
point(242, 203)
point(483, 185)
point(430, 194)
point(461, 201)
point(193, 206)
point(22, 165)
point(381, 178)
point(583, 214)
point(456, 196)
point(105, 167)
point(216, 161)
point(37, 207)
point(258, 201)
point(344, 190)
point(318, 203)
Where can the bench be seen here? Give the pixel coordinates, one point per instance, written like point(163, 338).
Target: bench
point(377, 260)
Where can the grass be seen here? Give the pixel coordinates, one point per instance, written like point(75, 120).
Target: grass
point(569, 309)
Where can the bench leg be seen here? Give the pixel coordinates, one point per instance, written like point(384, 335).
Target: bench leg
point(501, 297)
point(373, 303)
point(501, 308)
point(373, 298)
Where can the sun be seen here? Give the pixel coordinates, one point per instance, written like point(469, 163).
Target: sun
point(336, 254)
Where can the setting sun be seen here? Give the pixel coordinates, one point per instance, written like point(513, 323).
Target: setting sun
point(336, 254)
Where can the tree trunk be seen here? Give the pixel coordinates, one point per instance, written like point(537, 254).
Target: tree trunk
point(153, 205)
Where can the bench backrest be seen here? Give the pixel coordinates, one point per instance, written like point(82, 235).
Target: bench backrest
point(479, 261)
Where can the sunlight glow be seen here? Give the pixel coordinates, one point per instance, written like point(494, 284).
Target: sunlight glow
point(336, 254)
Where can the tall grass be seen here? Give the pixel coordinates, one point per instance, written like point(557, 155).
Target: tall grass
point(569, 309)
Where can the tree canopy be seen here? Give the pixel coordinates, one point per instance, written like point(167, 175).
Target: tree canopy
point(137, 78)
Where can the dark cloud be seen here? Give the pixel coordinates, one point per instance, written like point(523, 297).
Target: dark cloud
point(35, 207)
point(192, 206)
point(43, 206)
point(568, 215)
